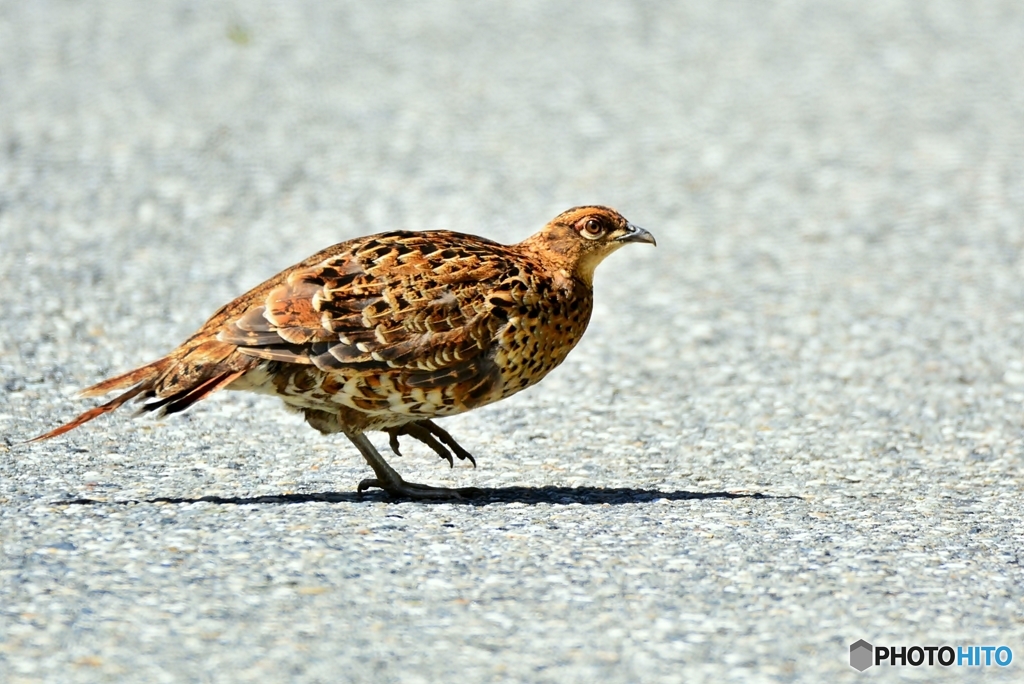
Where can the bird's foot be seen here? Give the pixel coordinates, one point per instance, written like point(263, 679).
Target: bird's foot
point(400, 489)
point(388, 479)
point(429, 433)
point(450, 441)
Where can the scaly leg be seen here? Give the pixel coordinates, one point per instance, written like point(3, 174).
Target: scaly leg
point(390, 481)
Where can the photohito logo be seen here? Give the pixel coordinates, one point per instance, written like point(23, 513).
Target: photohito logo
point(863, 655)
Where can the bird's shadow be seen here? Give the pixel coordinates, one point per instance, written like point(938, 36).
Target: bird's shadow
point(471, 496)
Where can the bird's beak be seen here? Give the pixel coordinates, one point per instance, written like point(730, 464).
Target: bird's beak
point(636, 234)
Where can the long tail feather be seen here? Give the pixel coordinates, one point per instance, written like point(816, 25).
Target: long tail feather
point(182, 400)
point(91, 413)
point(172, 384)
point(128, 379)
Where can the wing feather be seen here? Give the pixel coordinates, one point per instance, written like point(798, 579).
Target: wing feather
point(429, 305)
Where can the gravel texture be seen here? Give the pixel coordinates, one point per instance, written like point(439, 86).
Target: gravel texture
point(794, 424)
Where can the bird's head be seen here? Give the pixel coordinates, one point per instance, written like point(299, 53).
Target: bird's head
point(580, 238)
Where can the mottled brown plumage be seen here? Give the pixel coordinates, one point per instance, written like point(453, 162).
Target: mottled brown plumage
point(389, 331)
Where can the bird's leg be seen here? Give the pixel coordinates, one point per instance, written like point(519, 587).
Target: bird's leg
point(388, 478)
point(424, 431)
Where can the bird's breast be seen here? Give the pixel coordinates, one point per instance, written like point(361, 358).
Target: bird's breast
point(538, 338)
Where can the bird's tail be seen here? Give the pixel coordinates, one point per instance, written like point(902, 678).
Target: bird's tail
point(171, 384)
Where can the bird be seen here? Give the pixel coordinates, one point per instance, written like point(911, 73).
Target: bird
point(390, 331)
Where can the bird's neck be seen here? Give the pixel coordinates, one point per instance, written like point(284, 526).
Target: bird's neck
point(565, 265)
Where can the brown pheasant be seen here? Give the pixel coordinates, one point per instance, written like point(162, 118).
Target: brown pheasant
point(389, 331)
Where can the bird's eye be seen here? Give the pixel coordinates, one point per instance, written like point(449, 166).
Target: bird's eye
point(592, 229)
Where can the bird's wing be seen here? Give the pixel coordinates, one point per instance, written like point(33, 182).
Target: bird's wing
point(428, 304)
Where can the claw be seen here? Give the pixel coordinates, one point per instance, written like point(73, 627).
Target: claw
point(393, 441)
point(449, 440)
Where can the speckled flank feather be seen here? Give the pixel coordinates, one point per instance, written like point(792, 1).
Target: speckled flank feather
point(388, 331)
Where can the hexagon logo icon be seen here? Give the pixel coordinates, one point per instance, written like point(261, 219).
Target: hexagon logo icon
point(861, 655)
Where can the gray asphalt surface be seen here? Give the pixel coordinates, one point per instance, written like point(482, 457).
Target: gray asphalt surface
point(795, 424)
